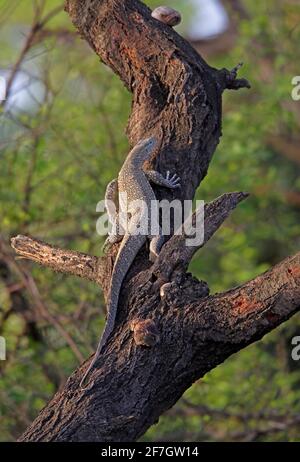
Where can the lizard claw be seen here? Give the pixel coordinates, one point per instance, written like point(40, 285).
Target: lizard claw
point(110, 241)
point(174, 180)
point(106, 245)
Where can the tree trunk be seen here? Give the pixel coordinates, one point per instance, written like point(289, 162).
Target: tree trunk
point(169, 331)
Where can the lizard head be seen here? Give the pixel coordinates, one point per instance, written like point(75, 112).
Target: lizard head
point(143, 149)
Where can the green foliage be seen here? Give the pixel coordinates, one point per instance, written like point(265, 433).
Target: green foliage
point(55, 164)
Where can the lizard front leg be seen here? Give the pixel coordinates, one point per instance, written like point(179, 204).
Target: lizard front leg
point(116, 234)
point(171, 182)
point(110, 200)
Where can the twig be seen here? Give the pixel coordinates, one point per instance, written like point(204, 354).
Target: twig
point(43, 311)
point(63, 261)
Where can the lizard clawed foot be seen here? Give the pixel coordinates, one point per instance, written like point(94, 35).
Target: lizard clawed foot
point(174, 181)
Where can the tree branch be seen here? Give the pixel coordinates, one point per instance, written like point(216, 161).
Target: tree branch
point(63, 261)
point(168, 334)
point(37, 26)
point(195, 335)
point(176, 255)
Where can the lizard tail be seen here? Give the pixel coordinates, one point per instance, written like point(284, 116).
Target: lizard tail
point(129, 248)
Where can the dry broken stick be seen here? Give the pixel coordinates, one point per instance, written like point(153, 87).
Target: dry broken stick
point(64, 261)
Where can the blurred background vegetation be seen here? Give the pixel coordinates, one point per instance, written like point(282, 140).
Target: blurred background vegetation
point(62, 139)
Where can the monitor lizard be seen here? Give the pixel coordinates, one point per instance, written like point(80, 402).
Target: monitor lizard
point(136, 200)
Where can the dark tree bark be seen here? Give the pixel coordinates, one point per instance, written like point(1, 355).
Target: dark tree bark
point(169, 331)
